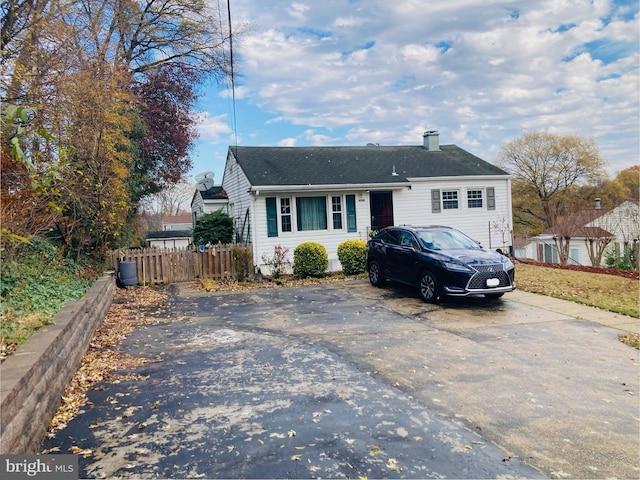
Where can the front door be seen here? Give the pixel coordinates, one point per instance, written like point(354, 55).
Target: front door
point(381, 206)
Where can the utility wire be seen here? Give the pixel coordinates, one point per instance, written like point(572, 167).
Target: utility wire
point(233, 80)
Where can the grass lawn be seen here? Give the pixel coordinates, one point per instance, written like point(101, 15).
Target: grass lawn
point(608, 292)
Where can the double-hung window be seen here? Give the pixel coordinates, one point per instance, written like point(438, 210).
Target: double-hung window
point(449, 200)
point(474, 198)
point(336, 210)
point(285, 214)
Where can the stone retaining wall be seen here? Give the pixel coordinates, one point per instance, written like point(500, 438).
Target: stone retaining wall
point(34, 377)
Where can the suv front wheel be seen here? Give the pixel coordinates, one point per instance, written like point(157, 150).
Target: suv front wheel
point(428, 286)
point(375, 274)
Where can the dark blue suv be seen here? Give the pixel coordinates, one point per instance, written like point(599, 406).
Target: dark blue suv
point(439, 261)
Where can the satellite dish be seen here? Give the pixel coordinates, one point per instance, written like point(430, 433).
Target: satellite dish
point(204, 181)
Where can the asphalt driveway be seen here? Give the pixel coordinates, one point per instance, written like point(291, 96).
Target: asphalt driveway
point(346, 380)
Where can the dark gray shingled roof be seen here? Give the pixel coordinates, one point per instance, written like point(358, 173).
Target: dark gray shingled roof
point(213, 193)
point(160, 234)
point(272, 166)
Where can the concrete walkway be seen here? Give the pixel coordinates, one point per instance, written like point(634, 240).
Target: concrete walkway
point(577, 311)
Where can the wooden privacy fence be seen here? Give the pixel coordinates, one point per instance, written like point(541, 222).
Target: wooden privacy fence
point(173, 265)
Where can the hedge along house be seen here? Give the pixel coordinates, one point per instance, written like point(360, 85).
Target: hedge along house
point(284, 196)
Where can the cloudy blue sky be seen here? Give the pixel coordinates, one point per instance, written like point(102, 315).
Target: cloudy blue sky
point(480, 72)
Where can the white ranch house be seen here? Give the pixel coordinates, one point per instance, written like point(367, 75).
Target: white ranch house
point(283, 196)
point(620, 226)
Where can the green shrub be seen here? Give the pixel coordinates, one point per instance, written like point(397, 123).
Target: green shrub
point(352, 255)
point(213, 228)
point(310, 259)
point(626, 261)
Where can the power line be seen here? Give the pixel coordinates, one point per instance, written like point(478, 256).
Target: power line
point(233, 80)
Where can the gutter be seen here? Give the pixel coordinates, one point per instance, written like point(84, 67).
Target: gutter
point(256, 189)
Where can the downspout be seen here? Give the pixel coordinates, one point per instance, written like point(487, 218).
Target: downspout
point(510, 210)
point(254, 231)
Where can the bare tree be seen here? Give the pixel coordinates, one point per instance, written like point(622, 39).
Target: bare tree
point(503, 226)
point(172, 200)
point(598, 232)
point(566, 229)
point(547, 168)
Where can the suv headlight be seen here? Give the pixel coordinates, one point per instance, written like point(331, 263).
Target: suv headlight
point(455, 266)
point(508, 264)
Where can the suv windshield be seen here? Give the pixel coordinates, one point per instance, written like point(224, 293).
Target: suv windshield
point(446, 240)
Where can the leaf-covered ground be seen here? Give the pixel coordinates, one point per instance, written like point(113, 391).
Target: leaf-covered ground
point(131, 309)
point(135, 308)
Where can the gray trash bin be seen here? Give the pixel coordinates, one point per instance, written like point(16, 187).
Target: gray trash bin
point(127, 276)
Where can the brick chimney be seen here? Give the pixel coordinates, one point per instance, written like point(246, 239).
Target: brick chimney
point(431, 141)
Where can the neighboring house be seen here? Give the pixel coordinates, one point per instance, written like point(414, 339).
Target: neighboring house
point(617, 227)
point(177, 222)
point(169, 239)
point(524, 248)
point(208, 200)
point(175, 233)
point(283, 196)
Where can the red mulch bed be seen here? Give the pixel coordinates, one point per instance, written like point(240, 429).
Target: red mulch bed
point(580, 268)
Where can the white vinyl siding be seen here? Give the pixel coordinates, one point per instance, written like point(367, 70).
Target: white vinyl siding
point(416, 206)
point(330, 237)
point(235, 183)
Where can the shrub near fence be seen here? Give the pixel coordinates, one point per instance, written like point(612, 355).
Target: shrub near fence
point(173, 265)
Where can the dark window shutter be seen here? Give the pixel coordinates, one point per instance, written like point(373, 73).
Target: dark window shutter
point(272, 217)
point(352, 225)
point(435, 200)
point(491, 198)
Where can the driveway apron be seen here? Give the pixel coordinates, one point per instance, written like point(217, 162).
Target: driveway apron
point(346, 380)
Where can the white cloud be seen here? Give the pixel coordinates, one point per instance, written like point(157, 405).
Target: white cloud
point(213, 129)
point(287, 142)
point(480, 71)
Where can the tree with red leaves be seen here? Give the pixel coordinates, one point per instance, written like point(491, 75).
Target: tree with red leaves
point(166, 99)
